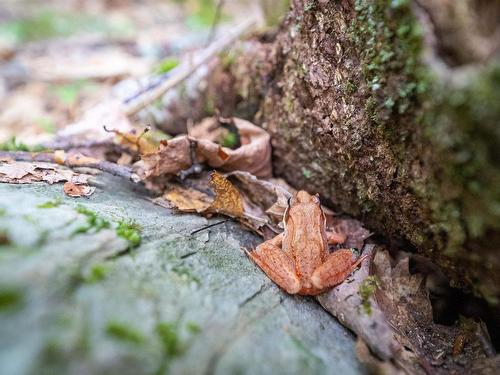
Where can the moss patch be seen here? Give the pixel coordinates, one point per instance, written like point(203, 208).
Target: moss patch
point(94, 222)
point(13, 144)
point(51, 204)
point(366, 289)
point(130, 231)
point(97, 273)
point(124, 332)
point(10, 298)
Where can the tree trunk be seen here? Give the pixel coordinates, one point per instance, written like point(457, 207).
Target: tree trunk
point(390, 110)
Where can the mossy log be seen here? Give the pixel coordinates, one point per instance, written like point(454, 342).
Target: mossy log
point(390, 110)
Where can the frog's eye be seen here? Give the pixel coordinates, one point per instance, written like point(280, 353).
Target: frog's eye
point(315, 199)
point(289, 201)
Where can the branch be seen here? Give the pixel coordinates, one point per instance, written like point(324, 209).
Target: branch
point(184, 70)
point(73, 161)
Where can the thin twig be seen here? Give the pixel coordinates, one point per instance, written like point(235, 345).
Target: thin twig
point(48, 157)
point(215, 22)
point(209, 226)
point(186, 69)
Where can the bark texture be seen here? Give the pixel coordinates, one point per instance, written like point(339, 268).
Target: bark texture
point(390, 110)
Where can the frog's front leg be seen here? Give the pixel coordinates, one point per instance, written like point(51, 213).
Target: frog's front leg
point(276, 264)
point(335, 269)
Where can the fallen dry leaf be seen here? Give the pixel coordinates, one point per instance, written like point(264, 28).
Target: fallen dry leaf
point(254, 156)
point(271, 198)
point(16, 172)
point(354, 231)
point(171, 157)
point(227, 200)
point(77, 190)
point(180, 153)
point(188, 199)
point(346, 304)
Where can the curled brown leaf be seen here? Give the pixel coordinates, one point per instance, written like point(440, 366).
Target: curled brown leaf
point(77, 190)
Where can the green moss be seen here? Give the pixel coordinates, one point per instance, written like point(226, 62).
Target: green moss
point(94, 222)
point(366, 289)
point(389, 41)
point(130, 231)
point(193, 327)
point(169, 337)
point(51, 204)
point(97, 273)
point(10, 297)
point(14, 145)
point(124, 332)
point(350, 87)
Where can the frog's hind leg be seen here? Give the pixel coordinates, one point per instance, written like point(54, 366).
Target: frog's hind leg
point(277, 265)
point(335, 269)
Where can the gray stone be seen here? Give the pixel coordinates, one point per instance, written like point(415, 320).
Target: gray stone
point(179, 303)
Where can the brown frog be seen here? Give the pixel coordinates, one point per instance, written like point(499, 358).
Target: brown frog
point(298, 260)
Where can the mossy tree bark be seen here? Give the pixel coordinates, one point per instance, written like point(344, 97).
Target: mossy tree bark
point(390, 116)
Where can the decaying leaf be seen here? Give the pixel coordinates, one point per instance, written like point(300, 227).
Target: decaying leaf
point(188, 199)
point(173, 156)
point(352, 229)
point(135, 141)
point(227, 198)
point(399, 326)
point(16, 172)
point(77, 190)
point(346, 304)
point(271, 198)
point(253, 156)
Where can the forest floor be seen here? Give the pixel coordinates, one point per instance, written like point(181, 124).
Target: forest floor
point(139, 273)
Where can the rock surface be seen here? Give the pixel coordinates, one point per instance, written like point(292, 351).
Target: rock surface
point(179, 303)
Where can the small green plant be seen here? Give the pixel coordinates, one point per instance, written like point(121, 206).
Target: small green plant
point(166, 65)
point(124, 332)
point(366, 290)
point(230, 140)
point(13, 144)
point(51, 204)
point(130, 231)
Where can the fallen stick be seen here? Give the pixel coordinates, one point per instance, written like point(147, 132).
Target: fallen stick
point(184, 70)
point(73, 161)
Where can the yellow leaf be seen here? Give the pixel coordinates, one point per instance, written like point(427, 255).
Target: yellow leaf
point(227, 198)
point(188, 199)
